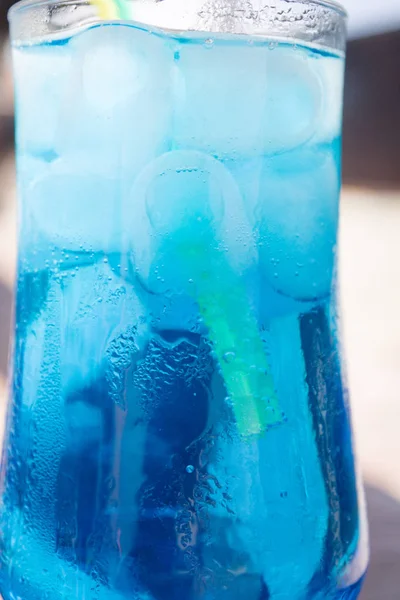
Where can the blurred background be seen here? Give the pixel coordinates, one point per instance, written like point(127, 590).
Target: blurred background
point(370, 251)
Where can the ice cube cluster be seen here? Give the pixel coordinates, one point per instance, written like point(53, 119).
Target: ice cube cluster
point(140, 135)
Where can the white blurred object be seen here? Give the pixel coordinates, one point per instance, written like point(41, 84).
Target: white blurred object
point(370, 17)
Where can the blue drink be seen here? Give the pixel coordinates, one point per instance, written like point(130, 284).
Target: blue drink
point(178, 418)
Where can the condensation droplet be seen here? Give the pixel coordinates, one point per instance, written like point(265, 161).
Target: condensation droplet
point(229, 357)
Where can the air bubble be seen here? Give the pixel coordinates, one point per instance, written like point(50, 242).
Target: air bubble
point(229, 357)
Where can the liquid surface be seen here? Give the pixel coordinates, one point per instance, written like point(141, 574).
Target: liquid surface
point(178, 425)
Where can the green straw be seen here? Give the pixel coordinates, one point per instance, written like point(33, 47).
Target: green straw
point(234, 333)
point(194, 236)
point(110, 10)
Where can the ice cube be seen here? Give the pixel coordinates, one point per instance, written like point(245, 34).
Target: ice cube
point(331, 74)
point(247, 174)
point(112, 72)
point(302, 510)
point(271, 529)
point(298, 216)
point(245, 99)
point(41, 77)
point(220, 98)
point(294, 93)
point(72, 207)
point(118, 108)
point(185, 207)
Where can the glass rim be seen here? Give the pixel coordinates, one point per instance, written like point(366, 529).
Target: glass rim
point(332, 5)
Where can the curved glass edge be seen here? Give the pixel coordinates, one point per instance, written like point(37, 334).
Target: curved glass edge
point(321, 23)
point(26, 4)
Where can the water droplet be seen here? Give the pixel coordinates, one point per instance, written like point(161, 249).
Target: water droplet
point(229, 357)
point(190, 469)
point(228, 400)
point(209, 43)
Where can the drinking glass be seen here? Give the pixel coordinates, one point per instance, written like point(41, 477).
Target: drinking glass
point(178, 417)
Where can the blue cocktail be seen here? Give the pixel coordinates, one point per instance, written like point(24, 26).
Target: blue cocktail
point(178, 417)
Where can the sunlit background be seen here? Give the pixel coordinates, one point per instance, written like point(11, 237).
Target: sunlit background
point(370, 272)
